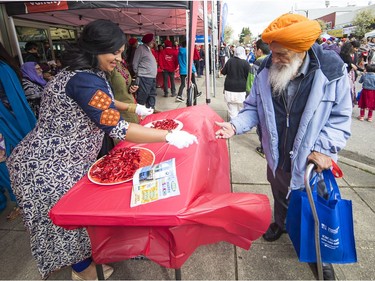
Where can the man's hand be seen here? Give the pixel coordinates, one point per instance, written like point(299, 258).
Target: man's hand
point(226, 130)
point(321, 161)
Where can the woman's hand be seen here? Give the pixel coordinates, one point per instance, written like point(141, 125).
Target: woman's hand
point(133, 89)
point(143, 110)
point(180, 139)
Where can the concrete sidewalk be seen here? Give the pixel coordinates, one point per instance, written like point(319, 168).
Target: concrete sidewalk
point(223, 261)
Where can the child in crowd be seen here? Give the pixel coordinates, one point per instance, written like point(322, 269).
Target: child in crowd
point(367, 98)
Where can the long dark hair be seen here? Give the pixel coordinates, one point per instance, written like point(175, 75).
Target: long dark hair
point(346, 49)
point(97, 37)
point(9, 60)
point(76, 59)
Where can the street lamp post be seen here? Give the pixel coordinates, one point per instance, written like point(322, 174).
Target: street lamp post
point(306, 12)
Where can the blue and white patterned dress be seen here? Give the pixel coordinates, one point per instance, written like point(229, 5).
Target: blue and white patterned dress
point(76, 109)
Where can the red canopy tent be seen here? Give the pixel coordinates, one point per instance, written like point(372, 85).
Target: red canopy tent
point(133, 17)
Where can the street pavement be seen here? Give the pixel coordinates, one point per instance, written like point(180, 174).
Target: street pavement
point(223, 261)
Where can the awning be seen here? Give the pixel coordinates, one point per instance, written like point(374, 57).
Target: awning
point(199, 39)
point(133, 17)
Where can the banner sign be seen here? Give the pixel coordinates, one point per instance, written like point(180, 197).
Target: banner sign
point(45, 6)
point(224, 16)
point(336, 32)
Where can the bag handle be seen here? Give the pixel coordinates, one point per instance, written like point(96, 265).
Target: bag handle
point(313, 185)
point(337, 172)
point(331, 184)
point(329, 180)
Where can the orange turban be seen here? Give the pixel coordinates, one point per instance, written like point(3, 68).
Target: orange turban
point(295, 32)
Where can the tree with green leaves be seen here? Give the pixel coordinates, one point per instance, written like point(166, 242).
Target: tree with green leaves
point(364, 22)
point(323, 25)
point(228, 32)
point(245, 36)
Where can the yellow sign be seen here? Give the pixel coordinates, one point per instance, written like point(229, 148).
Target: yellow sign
point(336, 32)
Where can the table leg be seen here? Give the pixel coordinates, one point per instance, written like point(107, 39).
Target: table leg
point(178, 273)
point(99, 272)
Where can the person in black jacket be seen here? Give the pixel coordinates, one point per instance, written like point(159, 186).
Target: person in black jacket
point(32, 54)
point(236, 71)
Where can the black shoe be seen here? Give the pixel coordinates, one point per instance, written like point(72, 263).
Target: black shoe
point(199, 94)
point(179, 99)
point(328, 271)
point(259, 150)
point(273, 232)
point(173, 95)
point(165, 95)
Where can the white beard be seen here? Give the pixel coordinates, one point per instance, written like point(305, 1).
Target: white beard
point(281, 74)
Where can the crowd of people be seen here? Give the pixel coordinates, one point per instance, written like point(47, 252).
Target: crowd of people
point(359, 57)
point(169, 64)
point(290, 84)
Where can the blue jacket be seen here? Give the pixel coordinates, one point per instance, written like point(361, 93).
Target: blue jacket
point(368, 80)
point(182, 61)
point(325, 123)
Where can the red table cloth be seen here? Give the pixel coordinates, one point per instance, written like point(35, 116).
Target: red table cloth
point(169, 230)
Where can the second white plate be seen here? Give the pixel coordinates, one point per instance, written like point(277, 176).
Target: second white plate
point(178, 128)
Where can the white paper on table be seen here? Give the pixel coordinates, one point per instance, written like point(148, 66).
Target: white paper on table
point(156, 182)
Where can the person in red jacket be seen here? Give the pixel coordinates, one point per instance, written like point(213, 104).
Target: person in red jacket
point(168, 62)
point(196, 57)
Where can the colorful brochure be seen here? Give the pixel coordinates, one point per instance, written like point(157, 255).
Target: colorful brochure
point(154, 183)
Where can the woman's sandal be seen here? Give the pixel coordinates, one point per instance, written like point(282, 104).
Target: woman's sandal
point(369, 119)
point(15, 213)
point(360, 118)
point(90, 273)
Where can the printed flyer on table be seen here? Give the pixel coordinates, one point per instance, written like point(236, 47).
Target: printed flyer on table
point(155, 182)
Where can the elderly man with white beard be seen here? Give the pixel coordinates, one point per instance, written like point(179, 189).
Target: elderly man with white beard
point(301, 99)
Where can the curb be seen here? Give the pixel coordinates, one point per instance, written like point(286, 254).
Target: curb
point(358, 165)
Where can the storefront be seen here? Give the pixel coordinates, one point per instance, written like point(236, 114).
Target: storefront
point(44, 36)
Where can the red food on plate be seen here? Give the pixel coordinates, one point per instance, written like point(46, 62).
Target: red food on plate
point(166, 124)
point(120, 165)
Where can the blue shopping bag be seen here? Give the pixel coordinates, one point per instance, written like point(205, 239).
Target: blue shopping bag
point(335, 214)
point(358, 95)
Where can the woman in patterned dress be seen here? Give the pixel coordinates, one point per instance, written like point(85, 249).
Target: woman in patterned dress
point(77, 108)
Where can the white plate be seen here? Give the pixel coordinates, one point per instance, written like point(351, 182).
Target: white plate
point(178, 128)
point(143, 150)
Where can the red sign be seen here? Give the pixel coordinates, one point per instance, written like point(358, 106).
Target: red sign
point(45, 6)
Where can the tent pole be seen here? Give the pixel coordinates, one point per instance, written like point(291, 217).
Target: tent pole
point(214, 44)
point(13, 35)
point(187, 40)
point(193, 18)
point(206, 56)
point(189, 52)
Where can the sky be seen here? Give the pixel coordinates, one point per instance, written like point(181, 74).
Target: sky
point(257, 14)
